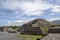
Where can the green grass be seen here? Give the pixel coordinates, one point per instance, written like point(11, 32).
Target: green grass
point(29, 37)
point(44, 29)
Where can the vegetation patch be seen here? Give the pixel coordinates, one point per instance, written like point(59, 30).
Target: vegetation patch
point(29, 37)
point(44, 30)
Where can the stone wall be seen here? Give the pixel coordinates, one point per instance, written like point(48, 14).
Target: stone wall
point(32, 30)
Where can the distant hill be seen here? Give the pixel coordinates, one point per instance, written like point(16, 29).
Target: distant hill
point(56, 22)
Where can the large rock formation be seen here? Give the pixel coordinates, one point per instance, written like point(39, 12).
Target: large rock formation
point(37, 23)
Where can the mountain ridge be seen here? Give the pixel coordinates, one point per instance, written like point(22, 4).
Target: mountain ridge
point(56, 22)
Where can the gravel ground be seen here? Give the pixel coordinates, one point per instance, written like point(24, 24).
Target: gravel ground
point(52, 36)
point(9, 36)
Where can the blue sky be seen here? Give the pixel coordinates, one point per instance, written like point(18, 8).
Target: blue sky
point(16, 12)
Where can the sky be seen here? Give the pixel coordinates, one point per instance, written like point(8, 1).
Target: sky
point(17, 12)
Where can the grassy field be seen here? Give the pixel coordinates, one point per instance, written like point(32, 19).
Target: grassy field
point(28, 37)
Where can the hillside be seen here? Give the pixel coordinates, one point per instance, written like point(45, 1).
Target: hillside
point(38, 23)
point(56, 22)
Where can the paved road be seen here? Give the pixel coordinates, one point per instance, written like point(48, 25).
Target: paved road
point(9, 36)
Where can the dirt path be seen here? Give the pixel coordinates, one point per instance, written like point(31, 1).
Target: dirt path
point(9, 36)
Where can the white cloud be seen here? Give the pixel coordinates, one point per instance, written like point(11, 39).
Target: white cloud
point(29, 8)
point(32, 8)
point(38, 13)
point(10, 4)
point(56, 9)
point(52, 19)
point(52, 14)
point(17, 22)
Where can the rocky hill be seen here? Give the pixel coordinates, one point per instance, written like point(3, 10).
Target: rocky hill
point(41, 23)
point(56, 22)
point(38, 23)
